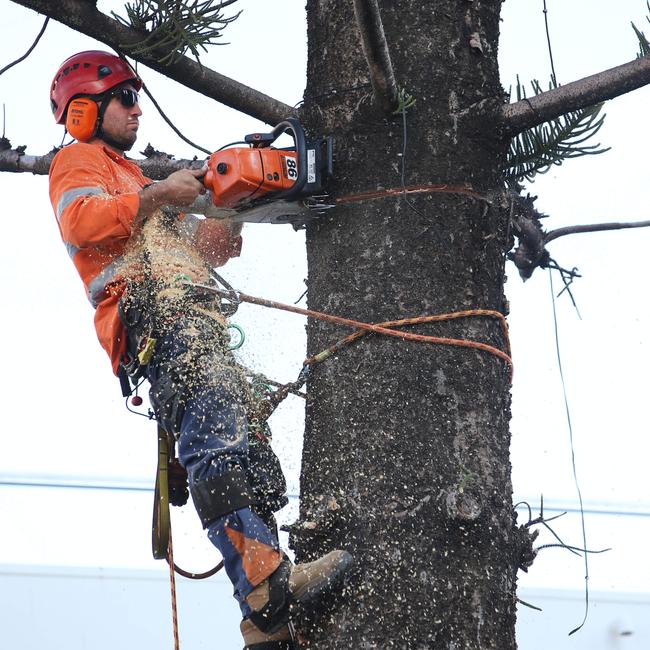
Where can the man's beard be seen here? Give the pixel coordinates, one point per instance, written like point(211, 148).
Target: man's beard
point(122, 144)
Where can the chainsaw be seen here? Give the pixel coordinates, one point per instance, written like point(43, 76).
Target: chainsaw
point(259, 183)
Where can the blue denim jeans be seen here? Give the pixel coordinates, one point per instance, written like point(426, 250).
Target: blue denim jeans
point(200, 394)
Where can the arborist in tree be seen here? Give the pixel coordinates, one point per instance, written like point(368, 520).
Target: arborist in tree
point(134, 258)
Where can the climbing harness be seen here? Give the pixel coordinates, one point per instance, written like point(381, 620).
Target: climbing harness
point(161, 517)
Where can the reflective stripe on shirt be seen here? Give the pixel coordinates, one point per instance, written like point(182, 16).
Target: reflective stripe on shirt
point(72, 250)
point(99, 282)
point(68, 197)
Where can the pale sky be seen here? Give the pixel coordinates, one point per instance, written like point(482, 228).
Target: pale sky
point(64, 416)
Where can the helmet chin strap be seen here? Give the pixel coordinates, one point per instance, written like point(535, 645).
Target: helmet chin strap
point(103, 101)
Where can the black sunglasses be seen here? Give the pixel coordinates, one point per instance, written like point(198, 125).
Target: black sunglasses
point(128, 97)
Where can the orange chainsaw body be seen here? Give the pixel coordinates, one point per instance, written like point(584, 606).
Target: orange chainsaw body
point(240, 173)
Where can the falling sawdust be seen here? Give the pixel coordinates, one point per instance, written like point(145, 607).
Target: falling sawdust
point(165, 252)
point(192, 350)
point(156, 263)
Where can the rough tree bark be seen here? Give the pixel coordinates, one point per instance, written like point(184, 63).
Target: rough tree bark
point(406, 450)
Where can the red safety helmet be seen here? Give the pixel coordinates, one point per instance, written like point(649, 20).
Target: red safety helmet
point(88, 73)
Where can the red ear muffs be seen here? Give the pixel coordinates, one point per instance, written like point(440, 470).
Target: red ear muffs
point(81, 119)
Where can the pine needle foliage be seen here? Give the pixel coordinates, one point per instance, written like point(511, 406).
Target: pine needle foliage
point(644, 44)
point(176, 26)
point(536, 150)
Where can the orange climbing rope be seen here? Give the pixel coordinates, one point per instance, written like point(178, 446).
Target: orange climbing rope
point(385, 328)
point(426, 188)
point(321, 356)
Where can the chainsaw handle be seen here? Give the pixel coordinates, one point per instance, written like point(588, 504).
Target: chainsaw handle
point(292, 125)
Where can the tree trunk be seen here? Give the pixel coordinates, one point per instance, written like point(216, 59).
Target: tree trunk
point(406, 450)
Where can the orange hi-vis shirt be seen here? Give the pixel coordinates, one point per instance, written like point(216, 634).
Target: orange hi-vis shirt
point(94, 193)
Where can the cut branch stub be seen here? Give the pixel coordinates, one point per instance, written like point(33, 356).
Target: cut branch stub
point(463, 504)
point(532, 240)
point(531, 251)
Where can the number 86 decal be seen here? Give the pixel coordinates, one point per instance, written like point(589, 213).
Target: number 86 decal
point(292, 168)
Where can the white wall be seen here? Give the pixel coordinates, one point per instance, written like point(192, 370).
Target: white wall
point(72, 608)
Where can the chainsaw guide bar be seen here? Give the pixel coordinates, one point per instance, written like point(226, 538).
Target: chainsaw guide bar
point(296, 213)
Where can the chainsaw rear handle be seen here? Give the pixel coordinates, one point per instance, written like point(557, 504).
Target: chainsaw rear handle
point(293, 126)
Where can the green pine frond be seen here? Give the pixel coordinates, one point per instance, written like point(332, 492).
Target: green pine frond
point(644, 44)
point(536, 150)
point(175, 26)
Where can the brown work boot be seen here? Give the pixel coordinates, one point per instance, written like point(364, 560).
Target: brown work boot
point(255, 639)
point(293, 589)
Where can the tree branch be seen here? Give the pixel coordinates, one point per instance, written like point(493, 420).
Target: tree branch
point(16, 160)
point(377, 55)
point(84, 17)
point(593, 227)
point(157, 165)
point(531, 251)
point(524, 114)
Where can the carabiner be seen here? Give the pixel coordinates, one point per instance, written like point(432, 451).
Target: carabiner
point(242, 336)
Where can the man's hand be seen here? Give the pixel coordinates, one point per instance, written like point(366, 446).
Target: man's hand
point(180, 189)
